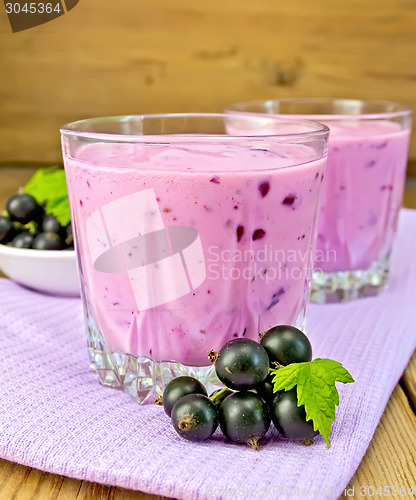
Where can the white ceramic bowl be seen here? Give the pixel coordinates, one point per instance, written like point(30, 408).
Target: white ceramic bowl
point(49, 271)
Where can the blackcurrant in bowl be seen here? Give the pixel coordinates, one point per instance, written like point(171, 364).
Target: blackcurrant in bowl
point(23, 240)
point(50, 224)
point(23, 208)
point(36, 250)
point(47, 241)
point(7, 230)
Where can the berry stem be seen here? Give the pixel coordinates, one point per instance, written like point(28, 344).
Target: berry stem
point(253, 442)
point(187, 423)
point(212, 356)
point(276, 366)
point(158, 401)
point(212, 398)
point(261, 335)
point(307, 442)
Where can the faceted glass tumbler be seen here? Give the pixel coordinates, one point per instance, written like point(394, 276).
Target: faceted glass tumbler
point(190, 230)
point(363, 189)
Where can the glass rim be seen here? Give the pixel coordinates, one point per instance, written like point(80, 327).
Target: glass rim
point(316, 130)
point(398, 109)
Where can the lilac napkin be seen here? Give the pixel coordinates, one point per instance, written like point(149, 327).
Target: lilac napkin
point(56, 417)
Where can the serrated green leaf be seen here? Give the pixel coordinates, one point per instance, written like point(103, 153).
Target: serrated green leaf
point(286, 377)
point(48, 186)
point(315, 388)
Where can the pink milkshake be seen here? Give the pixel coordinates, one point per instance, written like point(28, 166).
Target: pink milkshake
point(363, 194)
point(363, 190)
point(187, 241)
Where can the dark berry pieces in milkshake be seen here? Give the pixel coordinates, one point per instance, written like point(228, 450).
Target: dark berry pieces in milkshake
point(289, 200)
point(264, 188)
point(276, 297)
point(240, 233)
point(258, 234)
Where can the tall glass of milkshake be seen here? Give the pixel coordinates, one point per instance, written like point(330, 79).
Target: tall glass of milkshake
point(190, 230)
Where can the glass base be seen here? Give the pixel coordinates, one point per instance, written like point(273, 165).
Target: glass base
point(344, 286)
point(140, 377)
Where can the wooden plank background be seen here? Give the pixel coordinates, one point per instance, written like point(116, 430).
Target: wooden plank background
point(136, 56)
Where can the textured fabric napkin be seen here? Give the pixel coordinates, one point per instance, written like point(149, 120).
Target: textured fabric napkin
point(55, 416)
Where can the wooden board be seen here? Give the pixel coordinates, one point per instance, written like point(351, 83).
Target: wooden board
point(391, 457)
point(134, 56)
point(408, 384)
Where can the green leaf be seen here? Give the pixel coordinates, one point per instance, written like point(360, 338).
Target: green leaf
point(315, 388)
point(48, 186)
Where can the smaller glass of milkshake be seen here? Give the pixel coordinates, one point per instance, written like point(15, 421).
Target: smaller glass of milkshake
point(363, 189)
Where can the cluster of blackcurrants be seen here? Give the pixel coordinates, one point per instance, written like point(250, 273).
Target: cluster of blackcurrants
point(247, 404)
point(27, 226)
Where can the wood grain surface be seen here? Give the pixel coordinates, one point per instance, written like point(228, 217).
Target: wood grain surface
point(134, 56)
point(390, 460)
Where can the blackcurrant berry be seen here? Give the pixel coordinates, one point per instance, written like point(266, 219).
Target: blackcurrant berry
point(286, 344)
point(23, 208)
point(23, 240)
point(69, 239)
point(241, 364)
point(7, 230)
point(50, 224)
point(179, 387)
point(289, 418)
point(47, 241)
point(219, 399)
point(244, 418)
point(265, 389)
point(194, 417)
